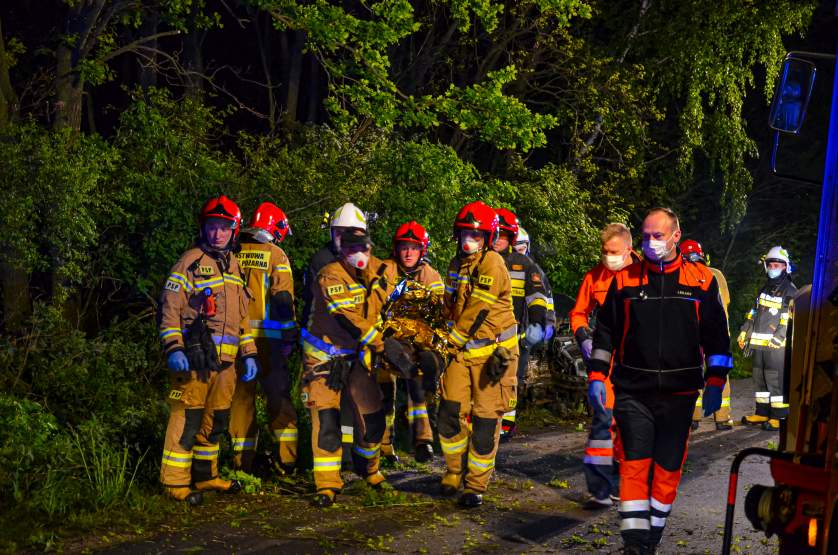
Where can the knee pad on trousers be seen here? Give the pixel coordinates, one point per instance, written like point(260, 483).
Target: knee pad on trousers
point(220, 424)
point(328, 438)
point(374, 423)
point(483, 434)
point(448, 418)
point(191, 427)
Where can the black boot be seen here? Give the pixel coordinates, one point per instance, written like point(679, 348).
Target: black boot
point(424, 452)
point(470, 500)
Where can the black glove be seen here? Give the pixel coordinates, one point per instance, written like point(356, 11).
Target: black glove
point(432, 365)
point(400, 355)
point(497, 364)
point(200, 350)
point(338, 373)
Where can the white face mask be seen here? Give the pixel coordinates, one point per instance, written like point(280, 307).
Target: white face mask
point(470, 246)
point(774, 273)
point(613, 262)
point(521, 248)
point(358, 260)
point(655, 250)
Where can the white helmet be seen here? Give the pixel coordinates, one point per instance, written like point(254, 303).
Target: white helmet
point(523, 239)
point(349, 215)
point(777, 254)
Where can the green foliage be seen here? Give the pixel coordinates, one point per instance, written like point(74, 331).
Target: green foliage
point(57, 189)
point(355, 50)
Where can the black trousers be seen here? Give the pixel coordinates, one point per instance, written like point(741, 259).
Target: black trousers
point(654, 429)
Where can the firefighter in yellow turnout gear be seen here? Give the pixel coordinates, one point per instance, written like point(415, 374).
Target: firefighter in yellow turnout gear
point(203, 325)
point(410, 246)
point(763, 336)
point(339, 345)
point(480, 381)
point(267, 272)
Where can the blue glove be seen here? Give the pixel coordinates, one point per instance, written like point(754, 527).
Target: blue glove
point(596, 394)
point(535, 335)
point(549, 332)
point(712, 399)
point(251, 368)
point(177, 362)
point(586, 347)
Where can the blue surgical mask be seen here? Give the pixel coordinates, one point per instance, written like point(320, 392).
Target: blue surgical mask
point(774, 273)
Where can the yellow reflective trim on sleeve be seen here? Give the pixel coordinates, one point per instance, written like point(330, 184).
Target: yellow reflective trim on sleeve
point(487, 350)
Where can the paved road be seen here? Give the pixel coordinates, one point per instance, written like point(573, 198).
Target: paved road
point(533, 506)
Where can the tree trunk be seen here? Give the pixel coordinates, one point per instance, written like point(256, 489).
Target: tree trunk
point(193, 58)
point(148, 76)
point(78, 40)
point(14, 281)
point(68, 91)
point(8, 98)
point(295, 72)
point(263, 37)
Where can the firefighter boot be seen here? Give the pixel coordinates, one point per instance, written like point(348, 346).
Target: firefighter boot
point(192, 498)
point(424, 452)
point(470, 499)
point(724, 426)
point(377, 481)
point(771, 425)
point(450, 484)
point(762, 409)
point(324, 498)
point(218, 484)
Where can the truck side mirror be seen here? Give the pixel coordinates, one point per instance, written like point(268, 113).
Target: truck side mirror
point(791, 97)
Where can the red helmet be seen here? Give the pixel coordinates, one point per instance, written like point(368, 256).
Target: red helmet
point(271, 218)
point(692, 251)
point(412, 232)
point(225, 209)
point(478, 215)
point(508, 222)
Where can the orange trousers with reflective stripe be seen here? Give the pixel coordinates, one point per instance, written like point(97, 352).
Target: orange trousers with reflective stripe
point(654, 429)
point(197, 418)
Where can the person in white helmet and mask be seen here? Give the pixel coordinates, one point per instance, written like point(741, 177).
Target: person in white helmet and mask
point(763, 336)
point(346, 218)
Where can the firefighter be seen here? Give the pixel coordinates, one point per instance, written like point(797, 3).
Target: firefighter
point(347, 217)
point(203, 326)
point(692, 251)
point(267, 273)
point(616, 254)
point(410, 247)
point(763, 336)
point(481, 379)
point(522, 246)
point(661, 321)
point(529, 301)
point(339, 346)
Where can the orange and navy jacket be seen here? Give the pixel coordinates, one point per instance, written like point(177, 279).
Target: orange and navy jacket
point(661, 322)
